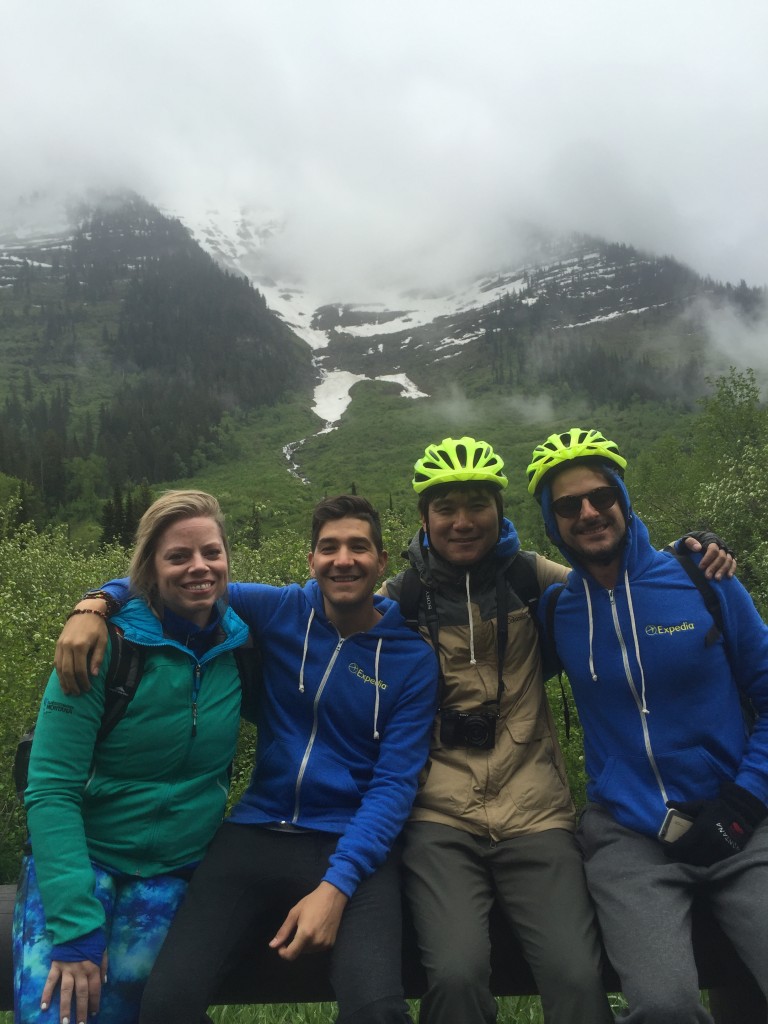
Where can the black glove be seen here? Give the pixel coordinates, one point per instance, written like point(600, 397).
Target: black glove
point(720, 828)
point(705, 538)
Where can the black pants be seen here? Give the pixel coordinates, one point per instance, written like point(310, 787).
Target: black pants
point(250, 874)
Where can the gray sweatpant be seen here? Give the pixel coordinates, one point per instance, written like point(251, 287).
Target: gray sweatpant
point(644, 902)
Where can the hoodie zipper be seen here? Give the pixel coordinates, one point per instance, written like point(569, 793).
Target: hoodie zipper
point(313, 734)
point(636, 696)
point(197, 679)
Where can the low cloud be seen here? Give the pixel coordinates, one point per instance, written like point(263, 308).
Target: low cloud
point(735, 338)
point(404, 141)
point(531, 410)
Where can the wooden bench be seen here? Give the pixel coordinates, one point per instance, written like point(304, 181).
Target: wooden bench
point(261, 977)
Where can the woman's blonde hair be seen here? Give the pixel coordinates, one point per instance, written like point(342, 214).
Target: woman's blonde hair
point(168, 509)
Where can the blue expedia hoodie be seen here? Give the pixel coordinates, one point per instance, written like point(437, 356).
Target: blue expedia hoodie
point(660, 708)
point(343, 724)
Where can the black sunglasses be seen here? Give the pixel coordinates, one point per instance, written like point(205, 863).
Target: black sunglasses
point(601, 499)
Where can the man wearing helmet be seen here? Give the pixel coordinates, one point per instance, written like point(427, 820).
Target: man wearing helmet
point(493, 819)
point(677, 787)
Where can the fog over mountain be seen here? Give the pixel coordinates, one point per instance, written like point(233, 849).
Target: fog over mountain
point(103, 303)
point(403, 145)
point(389, 325)
point(632, 315)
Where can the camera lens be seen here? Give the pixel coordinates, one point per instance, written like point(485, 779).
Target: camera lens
point(476, 732)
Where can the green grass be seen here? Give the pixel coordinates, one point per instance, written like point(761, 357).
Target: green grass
point(512, 1010)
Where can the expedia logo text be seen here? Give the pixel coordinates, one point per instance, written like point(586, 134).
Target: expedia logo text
point(680, 627)
point(54, 705)
point(355, 669)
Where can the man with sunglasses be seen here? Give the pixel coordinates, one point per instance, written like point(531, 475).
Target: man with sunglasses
point(677, 786)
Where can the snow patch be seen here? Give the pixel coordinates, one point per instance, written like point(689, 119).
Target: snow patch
point(332, 394)
point(608, 316)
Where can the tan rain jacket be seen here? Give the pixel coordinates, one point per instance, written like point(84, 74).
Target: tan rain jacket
point(520, 785)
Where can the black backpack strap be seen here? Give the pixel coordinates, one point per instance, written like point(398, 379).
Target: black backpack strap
point(522, 577)
point(717, 630)
point(412, 593)
point(250, 670)
point(550, 658)
point(21, 763)
point(554, 597)
point(524, 580)
point(124, 672)
point(707, 591)
point(411, 590)
point(502, 635)
point(126, 665)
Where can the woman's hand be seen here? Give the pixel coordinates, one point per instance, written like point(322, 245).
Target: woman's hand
point(81, 980)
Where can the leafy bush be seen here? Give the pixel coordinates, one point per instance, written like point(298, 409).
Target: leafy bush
point(714, 477)
point(41, 576)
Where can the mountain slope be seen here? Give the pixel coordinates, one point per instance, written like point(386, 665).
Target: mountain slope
point(627, 322)
point(123, 348)
point(127, 352)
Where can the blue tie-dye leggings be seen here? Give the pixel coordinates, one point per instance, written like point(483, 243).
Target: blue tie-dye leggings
point(138, 914)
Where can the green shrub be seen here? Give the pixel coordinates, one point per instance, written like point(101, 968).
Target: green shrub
point(41, 576)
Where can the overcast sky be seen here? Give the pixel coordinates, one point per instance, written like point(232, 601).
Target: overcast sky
point(413, 134)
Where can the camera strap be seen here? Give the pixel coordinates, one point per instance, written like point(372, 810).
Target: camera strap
point(502, 634)
point(433, 625)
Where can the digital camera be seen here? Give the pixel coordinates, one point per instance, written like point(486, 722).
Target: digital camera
point(468, 729)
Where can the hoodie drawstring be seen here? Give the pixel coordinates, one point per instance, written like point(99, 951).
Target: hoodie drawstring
point(376, 688)
point(472, 660)
point(644, 708)
point(592, 672)
point(633, 622)
point(304, 652)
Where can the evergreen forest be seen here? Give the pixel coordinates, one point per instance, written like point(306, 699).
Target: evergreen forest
point(126, 354)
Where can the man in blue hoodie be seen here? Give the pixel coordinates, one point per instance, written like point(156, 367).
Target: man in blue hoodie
point(677, 785)
point(343, 729)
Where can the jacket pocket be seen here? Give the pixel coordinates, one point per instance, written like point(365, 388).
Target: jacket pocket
point(448, 783)
point(629, 789)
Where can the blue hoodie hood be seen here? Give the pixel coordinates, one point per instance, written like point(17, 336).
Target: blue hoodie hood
point(637, 546)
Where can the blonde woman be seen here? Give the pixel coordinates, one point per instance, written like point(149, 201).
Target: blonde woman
point(117, 825)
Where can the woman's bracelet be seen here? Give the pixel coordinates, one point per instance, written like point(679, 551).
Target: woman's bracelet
point(88, 611)
point(113, 605)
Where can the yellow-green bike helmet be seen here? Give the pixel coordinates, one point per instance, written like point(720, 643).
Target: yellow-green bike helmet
point(458, 461)
point(573, 444)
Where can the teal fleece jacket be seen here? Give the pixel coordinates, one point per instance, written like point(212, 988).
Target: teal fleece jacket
point(148, 799)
